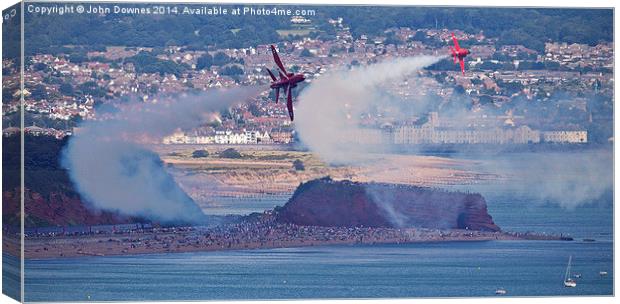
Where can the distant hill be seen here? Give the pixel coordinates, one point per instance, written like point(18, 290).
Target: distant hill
point(531, 27)
point(527, 26)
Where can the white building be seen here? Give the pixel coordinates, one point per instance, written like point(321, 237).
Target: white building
point(565, 136)
point(220, 137)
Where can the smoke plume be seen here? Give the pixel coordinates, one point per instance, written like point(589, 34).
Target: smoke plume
point(113, 172)
point(568, 179)
point(330, 109)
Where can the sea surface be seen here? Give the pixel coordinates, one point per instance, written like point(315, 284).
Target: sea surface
point(454, 269)
point(222, 205)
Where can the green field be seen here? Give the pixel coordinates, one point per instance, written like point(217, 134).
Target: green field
point(293, 32)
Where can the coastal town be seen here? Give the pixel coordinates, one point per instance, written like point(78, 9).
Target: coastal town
point(504, 87)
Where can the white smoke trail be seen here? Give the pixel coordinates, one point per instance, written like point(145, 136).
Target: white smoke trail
point(112, 172)
point(568, 179)
point(329, 109)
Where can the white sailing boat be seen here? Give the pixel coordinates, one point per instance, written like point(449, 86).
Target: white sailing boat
point(568, 281)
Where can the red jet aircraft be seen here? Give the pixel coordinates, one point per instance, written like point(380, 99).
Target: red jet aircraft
point(458, 52)
point(287, 81)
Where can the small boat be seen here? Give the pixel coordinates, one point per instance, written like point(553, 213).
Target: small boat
point(500, 291)
point(602, 273)
point(568, 282)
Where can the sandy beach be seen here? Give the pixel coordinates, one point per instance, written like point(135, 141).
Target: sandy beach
point(270, 171)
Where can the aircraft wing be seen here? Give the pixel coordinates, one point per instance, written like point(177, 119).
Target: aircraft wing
point(289, 103)
point(462, 62)
point(282, 75)
point(456, 42)
point(276, 58)
point(273, 77)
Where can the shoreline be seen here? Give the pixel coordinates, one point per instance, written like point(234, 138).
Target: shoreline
point(245, 236)
point(286, 247)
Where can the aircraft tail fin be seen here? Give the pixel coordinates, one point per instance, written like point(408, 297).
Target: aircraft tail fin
point(276, 58)
point(456, 42)
point(289, 103)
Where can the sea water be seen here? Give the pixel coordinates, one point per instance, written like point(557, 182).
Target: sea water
point(455, 269)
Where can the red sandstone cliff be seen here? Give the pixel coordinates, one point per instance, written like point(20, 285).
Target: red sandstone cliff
point(324, 202)
point(56, 209)
point(49, 198)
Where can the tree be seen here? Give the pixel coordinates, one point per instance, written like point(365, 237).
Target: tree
point(226, 114)
point(254, 109)
point(220, 59)
point(420, 36)
point(66, 89)
point(566, 25)
point(39, 92)
point(510, 87)
point(200, 153)
point(204, 62)
point(230, 153)
point(39, 66)
point(306, 53)
point(298, 165)
point(232, 70)
point(392, 39)
point(145, 62)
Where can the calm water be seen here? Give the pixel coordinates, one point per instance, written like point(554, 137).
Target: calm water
point(523, 268)
point(414, 270)
point(10, 276)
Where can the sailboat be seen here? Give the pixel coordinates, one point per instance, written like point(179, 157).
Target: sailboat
point(568, 282)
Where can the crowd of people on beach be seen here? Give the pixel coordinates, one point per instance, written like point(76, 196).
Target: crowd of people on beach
point(263, 231)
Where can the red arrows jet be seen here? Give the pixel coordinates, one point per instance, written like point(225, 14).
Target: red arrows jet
point(287, 81)
point(458, 52)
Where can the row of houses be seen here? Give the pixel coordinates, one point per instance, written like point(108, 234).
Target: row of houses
point(429, 135)
point(432, 132)
point(35, 131)
point(230, 137)
point(500, 136)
